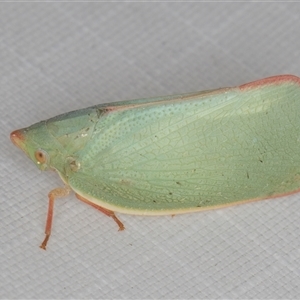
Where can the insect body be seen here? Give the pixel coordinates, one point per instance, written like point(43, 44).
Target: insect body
point(174, 154)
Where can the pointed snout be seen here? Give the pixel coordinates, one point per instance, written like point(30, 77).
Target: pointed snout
point(18, 138)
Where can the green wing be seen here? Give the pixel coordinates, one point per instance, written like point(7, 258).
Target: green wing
point(200, 150)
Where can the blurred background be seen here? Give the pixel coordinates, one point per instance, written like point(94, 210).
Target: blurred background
point(57, 57)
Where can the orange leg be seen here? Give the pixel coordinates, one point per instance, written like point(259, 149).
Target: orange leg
point(56, 193)
point(103, 210)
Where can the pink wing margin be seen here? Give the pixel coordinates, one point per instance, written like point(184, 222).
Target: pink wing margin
point(270, 80)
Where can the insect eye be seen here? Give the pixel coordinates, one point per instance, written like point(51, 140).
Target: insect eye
point(40, 156)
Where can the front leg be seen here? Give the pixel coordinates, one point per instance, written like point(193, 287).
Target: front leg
point(56, 193)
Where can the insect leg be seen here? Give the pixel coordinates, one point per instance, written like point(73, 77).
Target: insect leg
point(56, 193)
point(103, 210)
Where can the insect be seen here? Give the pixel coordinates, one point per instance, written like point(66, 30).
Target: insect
point(174, 154)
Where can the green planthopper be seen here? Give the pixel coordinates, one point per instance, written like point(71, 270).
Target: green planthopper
point(174, 154)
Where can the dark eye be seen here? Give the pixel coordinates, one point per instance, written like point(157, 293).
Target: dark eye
point(40, 156)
